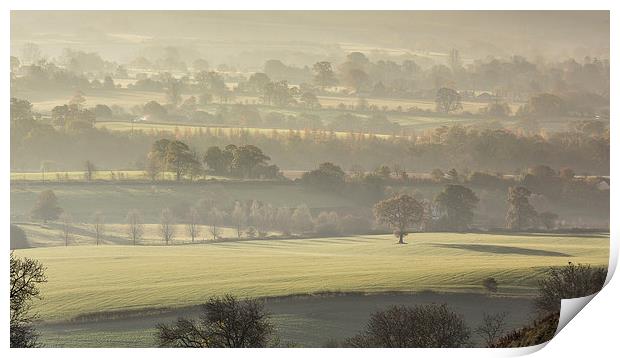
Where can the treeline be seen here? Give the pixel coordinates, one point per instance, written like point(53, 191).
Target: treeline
point(585, 148)
point(582, 87)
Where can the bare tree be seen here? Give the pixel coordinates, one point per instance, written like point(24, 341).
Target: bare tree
point(166, 225)
point(226, 322)
point(98, 224)
point(420, 326)
point(215, 220)
point(492, 327)
point(26, 275)
point(135, 227)
point(89, 170)
point(239, 217)
point(66, 221)
point(193, 221)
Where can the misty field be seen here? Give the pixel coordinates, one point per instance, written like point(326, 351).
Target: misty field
point(88, 279)
point(226, 131)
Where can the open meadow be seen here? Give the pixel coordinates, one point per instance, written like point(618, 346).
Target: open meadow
point(90, 279)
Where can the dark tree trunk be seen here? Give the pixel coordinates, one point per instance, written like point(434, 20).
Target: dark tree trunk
point(400, 238)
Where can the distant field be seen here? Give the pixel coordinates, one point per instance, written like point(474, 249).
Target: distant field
point(52, 176)
point(84, 279)
point(181, 128)
point(44, 101)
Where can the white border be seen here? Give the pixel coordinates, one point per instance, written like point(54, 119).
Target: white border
point(593, 331)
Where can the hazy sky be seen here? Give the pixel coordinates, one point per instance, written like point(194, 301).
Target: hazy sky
point(120, 35)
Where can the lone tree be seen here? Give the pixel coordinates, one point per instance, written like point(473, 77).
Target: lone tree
point(448, 100)
point(421, 326)
point(89, 170)
point(492, 328)
point(166, 225)
point(66, 221)
point(98, 224)
point(521, 214)
point(457, 204)
point(193, 223)
point(135, 226)
point(215, 219)
point(46, 207)
point(26, 275)
point(399, 212)
point(239, 218)
point(226, 322)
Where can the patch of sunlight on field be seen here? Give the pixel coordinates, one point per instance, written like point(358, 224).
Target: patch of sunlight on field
point(86, 279)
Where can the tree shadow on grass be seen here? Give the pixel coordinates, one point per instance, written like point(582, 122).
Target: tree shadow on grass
point(503, 250)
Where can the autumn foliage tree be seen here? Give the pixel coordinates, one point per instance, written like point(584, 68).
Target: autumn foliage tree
point(400, 213)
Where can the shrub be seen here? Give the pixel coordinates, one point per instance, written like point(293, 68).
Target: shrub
point(490, 284)
point(568, 282)
point(226, 322)
point(423, 326)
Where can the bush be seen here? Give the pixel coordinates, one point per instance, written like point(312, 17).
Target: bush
point(490, 284)
point(568, 282)
point(226, 322)
point(423, 326)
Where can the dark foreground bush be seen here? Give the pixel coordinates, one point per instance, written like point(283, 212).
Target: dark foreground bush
point(226, 322)
point(568, 282)
point(425, 326)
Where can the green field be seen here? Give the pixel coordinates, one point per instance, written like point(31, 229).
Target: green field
point(87, 279)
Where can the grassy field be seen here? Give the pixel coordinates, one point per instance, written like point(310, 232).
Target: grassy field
point(86, 279)
point(308, 321)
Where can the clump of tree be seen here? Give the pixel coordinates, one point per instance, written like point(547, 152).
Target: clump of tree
point(26, 276)
point(226, 322)
point(457, 204)
point(327, 176)
point(420, 326)
point(246, 161)
point(46, 207)
point(447, 100)
point(175, 156)
point(521, 214)
point(400, 213)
